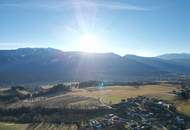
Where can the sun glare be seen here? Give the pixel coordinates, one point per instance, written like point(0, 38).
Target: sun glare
point(89, 43)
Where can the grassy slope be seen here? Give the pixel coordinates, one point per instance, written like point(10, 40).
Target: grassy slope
point(183, 106)
point(11, 126)
point(114, 94)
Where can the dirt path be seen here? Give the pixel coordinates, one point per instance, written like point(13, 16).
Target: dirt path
point(103, 104)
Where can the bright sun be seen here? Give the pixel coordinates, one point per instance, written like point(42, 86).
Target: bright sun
point(89, 43)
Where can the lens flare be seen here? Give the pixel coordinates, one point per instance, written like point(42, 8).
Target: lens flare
point(89, 43)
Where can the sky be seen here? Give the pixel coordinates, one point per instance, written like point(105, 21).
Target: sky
point(140, 27)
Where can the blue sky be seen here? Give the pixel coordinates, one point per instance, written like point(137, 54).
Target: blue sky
point(141, 27)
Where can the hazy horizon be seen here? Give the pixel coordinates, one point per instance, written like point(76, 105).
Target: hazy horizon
point(96, 52)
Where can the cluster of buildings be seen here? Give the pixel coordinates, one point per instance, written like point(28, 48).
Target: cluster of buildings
point(142, 113)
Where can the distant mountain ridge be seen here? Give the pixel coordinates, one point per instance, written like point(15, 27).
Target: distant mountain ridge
point(172, 56)
point(30, 65)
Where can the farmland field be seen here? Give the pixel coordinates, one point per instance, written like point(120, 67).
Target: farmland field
point(38, 126)
point(108, 95)
point(91, 97)
point(183, 106)
point(47, 126)
point(12, 126)
point(114, 94)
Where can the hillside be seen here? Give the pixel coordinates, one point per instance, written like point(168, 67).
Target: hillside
point(32, 65)
point(175, 56)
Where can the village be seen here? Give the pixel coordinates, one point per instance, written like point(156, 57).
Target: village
point(137, 113)
point(142, 113)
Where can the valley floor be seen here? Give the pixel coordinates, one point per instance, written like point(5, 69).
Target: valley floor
point(94, 97)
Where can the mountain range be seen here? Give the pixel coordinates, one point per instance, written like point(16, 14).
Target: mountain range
point(32, 65)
